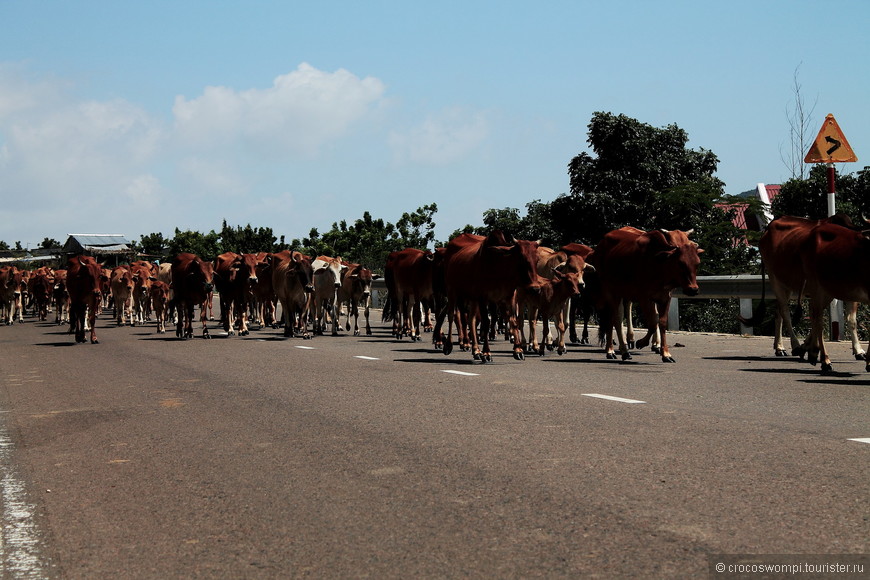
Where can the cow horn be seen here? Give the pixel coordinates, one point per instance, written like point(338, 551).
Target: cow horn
point(689, 232)
point(589, 268)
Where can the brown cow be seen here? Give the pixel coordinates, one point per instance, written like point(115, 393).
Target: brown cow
point(780, 247)
point(84, 280)
point(293, 280)
point(143, 274)
point(563, 280)
point(10, 293)
point(40, 287)
point(409, 275)
point(192, 285)
point(60, 297)
point(836, 264)
point(580, 306)
point(479, 271)
point(264, 292)
point(121, 284)
point(644, 267)
point(356, 289)
point(235, 276)
point(159, 295)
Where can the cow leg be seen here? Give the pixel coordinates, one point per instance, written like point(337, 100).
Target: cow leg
point(335, 315)
point(620, 335)
point(852, 318)
point(629, 324)
point(818, 305)
point(92, 318)
point(77, 321)
point(509, 312)
point(203, 317)
point(545, 334)
point(446, 340)
point(367, 304)
point(663, 307)
point(531, 343)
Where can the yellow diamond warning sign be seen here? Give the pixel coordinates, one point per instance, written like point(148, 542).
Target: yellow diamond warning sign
point(831, 145)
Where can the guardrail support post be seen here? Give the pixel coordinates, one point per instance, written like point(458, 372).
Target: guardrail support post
point(746, 312)
point(674, 314)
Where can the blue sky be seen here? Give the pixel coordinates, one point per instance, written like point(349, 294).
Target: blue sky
point(140, 117)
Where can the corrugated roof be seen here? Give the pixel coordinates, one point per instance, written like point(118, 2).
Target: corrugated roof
point(98, 240)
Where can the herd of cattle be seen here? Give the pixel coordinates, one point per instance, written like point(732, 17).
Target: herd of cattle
point(476, 284)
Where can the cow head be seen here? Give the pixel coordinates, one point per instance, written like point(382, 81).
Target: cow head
point(246, 268)
point(324, 266)
point(302, 268)
point(680, 257)
point(89, 275)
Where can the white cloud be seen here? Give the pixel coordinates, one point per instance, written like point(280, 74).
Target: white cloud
point(441, 139)
point(300, 112)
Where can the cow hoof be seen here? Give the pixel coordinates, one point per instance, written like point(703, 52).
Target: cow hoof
point(780, 352)
point(626, 356)
point(561, 351)
point(542, 351)
point(668, 359)
point(518, 354)
point(827, 368)
point(860, 356)
point(630, 344)
point(244, 333)
point(799, 352)
point(95, 341)
point(611, 356)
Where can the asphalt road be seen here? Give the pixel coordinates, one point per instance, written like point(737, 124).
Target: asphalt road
point(264, 457)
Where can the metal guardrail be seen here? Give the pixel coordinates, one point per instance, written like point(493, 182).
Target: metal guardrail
point(745, 287)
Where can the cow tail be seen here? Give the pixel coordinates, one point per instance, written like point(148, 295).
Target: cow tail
point(758, 314)
point(389, 311)
point(798, 311)
point(391, 307)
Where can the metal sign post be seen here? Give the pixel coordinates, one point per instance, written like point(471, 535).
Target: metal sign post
point(829, 147)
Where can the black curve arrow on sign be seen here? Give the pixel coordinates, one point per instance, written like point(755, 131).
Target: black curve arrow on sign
point(836, 145)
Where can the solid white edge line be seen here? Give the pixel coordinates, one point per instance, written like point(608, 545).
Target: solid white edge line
point(617, 399)
point(861, 440)
point(20, 548)
point(462, 373)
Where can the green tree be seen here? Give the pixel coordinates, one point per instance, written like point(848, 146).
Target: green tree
point(154, 244)
point(809, 197)
point(49, 244)
point(203, 245)
point(369, 240)
point(634, 164)
point(537, 224)
point(246, 240)
point(417, 229)
point(4, 246)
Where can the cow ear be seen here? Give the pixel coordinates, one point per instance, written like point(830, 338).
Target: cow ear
point(700, 251)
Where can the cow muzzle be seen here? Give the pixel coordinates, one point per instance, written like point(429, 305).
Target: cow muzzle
point(691, 291)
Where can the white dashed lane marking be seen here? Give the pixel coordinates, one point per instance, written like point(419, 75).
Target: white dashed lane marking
point(359, 356)
point(305, 347)
point(462, 373)
point(861, 440)
point(617, 399)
